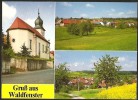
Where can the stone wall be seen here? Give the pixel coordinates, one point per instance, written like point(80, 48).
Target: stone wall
point(22, 64)
point(36, 64)
point(5, 65)
point(19, 63)
point(50, 64)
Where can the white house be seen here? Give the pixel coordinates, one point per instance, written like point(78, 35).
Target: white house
point(21, 33)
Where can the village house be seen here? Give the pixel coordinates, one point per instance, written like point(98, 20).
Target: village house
point(97, 21)
point(66, 22)
point(22, 33)
point(52, 54)
point(85, 81)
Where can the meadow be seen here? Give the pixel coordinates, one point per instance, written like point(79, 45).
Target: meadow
point(102, 38)
point(117, 92)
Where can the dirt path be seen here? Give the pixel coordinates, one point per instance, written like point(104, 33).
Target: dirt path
point(75, 96)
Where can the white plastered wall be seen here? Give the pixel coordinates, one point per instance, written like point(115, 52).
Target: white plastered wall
point(23, 36)
point(43, 54)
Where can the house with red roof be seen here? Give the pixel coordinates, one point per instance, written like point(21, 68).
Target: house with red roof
point(52, 54)
point(66, 22)
point(86, 82)
point(33, 38)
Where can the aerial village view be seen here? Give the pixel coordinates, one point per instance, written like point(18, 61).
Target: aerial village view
point(28, 43)
point(96, 45)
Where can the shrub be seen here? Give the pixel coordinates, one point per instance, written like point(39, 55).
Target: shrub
point(8, 53)
point(122, 25)
point(94, 86)
point(12, 69)
point(65, 89)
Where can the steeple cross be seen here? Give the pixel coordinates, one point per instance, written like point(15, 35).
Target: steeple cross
point(38, 12)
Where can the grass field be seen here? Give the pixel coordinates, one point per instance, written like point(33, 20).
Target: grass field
point(102, 38)
point(62, 96)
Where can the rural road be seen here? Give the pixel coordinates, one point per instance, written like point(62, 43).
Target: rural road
point(30, 77)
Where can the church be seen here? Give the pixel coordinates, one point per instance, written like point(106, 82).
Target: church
point(33, 38)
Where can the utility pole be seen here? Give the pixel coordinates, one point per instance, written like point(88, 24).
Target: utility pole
point(78, 84)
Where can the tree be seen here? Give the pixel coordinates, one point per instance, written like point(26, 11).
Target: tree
point(83, 28)
point(6, 41)
point(56, 19)
point(61, 76)
point(25, 51)
point(7, 51)
point(106, 69)
point(86, 28)
point(74, 29)
point(122, 25)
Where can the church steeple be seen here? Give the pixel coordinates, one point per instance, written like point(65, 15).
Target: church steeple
point(39, 25)
point(39, 22)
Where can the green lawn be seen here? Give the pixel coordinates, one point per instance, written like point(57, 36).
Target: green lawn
point(88, 93)
point(62, 96)
point(102, 38)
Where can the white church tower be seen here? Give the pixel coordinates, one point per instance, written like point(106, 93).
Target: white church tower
point(39, 25)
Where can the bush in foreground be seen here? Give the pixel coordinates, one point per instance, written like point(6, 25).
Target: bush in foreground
point(119, 92)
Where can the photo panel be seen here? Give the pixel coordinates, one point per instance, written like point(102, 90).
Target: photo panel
point(96, 26)
point(28, 44)
point(95, 74)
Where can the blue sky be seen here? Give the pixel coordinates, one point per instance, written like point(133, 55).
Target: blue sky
point(96, 9)
point(83, 60)
point(28, 11)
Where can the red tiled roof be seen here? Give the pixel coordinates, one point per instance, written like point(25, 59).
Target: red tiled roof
point(69, 21)
point(20, 24)
point(52, 52)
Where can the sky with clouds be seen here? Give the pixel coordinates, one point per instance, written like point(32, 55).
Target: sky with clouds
point(83, 60)
point(28, 11)
point(96, 9)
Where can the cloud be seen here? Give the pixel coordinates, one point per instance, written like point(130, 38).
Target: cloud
point(90, 5)
point(30, 21)
point(77, 66)
point(113, 10)
point(114, 13)
point(8, 12)
point(130, 66)
point(121, 13)
point(67, 4)
point(121, 59)
point(83, 15)
point(131, 12)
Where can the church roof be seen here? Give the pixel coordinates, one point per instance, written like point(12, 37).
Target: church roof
point(20, 24)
